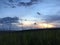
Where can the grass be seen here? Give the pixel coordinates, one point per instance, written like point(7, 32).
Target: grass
point(30, 37)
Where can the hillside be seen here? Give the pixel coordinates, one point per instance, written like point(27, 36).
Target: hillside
point(31, 37)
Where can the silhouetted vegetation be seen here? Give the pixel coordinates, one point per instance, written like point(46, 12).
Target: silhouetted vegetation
point(30, 37)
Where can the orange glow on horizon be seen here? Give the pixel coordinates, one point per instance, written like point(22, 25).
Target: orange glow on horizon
point(38, 25)
point(45, 25)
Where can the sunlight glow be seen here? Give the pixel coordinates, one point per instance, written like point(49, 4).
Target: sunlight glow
point(27, 23)
point(45, 25)
point(38, 25)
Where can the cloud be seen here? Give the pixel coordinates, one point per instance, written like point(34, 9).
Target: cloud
point(14, 3)
point(25, 4)
point(34, 0)
point(11, 1)
point(9, 20)
point(52, 18)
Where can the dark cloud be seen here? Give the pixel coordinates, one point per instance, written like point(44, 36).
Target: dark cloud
point(28, 3)
point(52, 18)
point(9, 20)
point(38, 13)
point(21, 4)
point(34, 0)
point(13, 3)
point(25, 4)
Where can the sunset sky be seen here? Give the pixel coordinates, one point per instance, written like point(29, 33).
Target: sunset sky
point(27, 9)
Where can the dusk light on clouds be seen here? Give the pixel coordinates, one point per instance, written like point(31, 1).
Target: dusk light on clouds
point(27, 11)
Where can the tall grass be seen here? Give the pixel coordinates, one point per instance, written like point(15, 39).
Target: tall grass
point(42, 37)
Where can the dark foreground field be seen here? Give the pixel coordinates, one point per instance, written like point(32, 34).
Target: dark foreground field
point(31, 37)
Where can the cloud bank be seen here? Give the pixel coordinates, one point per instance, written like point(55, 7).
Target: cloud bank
point(52, 18)
point(9, 20)
point(15, 3)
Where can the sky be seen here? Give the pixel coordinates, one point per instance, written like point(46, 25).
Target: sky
point(27, 9)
